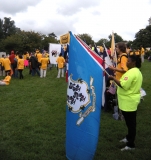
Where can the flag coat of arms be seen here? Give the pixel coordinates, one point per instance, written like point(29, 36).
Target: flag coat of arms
point(84, 99)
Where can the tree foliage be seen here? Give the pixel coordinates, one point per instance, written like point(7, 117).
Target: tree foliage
point(143, 37)
point(12, 37)
point(7, 27)
point(48, 39)
point(22, 41)
point(101, 41)
point(117, 38)
point(86, 38)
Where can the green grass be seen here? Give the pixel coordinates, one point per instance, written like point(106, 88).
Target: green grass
point(32, 121)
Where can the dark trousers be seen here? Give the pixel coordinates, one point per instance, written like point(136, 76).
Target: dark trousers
point(35, 70)
point(130, 119)
point(20, 73)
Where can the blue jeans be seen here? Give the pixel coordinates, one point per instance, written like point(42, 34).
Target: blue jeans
point(35, 70)
point(16, 73)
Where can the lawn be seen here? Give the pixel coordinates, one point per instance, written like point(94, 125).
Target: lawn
point(32, 121)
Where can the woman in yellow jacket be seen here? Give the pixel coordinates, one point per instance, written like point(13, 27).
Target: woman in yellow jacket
point(20, 66)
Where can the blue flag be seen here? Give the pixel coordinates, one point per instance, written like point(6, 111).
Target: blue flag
point(85, 80)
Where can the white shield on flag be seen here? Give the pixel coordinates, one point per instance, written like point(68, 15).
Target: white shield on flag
point(78, 96)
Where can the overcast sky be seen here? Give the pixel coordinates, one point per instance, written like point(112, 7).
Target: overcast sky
point(95, 17)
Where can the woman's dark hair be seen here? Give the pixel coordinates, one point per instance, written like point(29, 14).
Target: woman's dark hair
point(137, 59)
point(20, 56)
point(122, 46)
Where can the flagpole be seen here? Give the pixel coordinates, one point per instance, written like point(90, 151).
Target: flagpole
point(106, 72)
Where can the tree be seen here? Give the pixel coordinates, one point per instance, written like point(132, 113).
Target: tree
point(86, 38)
point(9, 27)
point(117, 38)
point(48, 39)
point(101, 41)
point(143, 37)
point(22, 41)
point(1, 29)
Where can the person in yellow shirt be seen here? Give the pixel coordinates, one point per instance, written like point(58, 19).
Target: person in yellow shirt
point(122, 60)
point(137, 52)
point(142, 52)
point(60, 61)
point(1, 63)
point(20, 66)
point(27, 55)
point(7, 65)
point(46, 54)
point(39, 56)
point(44, 63)
point(6, 80)
point(24, 56)
point(101, 51)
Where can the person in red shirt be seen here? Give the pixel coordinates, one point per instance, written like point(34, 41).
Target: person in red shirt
point(11, 58)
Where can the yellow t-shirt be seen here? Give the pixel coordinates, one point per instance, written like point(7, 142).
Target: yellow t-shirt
point(6, 64)
point(121, 65)
point(137, 52)
point(39, 56)
point(20, 64)
point(142, 52)
point(44, 63)
point(131, 53)
point(27, 55)
point(60, 61)
point(17, 57)
point(24, 57)
point(101, 49)
point(47, 55)
point(0, 60)
point(7, 80)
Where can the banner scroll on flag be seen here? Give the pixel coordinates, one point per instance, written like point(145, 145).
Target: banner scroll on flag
point(84, 92)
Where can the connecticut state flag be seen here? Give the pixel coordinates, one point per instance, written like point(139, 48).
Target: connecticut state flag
point(84, 100)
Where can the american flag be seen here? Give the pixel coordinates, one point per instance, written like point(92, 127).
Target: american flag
point(112, 88)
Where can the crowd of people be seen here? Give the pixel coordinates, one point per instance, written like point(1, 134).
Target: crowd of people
point(37, 62)
point(128, 79)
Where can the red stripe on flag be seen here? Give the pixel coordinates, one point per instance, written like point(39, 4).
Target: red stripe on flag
point(94, 55)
